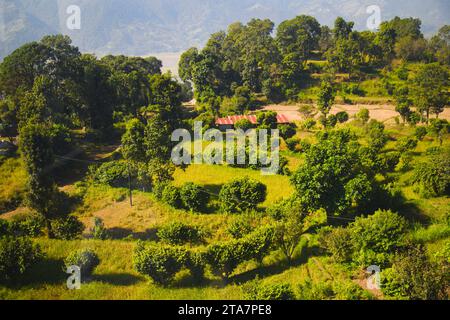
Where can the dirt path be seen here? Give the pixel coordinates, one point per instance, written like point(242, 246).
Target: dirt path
point(382, 112)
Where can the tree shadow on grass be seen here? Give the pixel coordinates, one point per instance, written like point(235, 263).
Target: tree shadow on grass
point(122, 233)
point(117, 279)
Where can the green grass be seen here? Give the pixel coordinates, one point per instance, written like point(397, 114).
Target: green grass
point(12, 183)
point(212, 177)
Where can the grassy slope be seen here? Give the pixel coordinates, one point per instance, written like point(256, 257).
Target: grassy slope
point(115, 277)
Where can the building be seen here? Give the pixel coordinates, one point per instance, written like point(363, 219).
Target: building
point(230, 121)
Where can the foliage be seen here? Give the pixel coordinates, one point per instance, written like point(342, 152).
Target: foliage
point(256, 291)
point(17, 255)
point(172, 196)
point(99, 231)
point(377, 236)
point(177, 233)
point(67, 228)
point(86, 259)
point(337, 174)
point(241, 195)
point(432, 177)
point(415, 277)
point(194, 197)
point(161, 263)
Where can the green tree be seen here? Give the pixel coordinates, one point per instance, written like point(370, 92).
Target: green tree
point(334, 176)
point(430, 89)
point(326, 98)
point(37, 153)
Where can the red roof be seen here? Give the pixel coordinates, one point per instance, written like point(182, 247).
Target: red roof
point(231, 120)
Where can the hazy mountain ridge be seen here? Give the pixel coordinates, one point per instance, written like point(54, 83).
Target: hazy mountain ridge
point(140, 27)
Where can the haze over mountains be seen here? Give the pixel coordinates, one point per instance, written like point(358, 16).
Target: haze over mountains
point(141, 27)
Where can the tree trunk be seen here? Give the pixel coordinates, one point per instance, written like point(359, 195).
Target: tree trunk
point(50, 233)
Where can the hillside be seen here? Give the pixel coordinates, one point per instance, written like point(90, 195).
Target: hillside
point(142, 27)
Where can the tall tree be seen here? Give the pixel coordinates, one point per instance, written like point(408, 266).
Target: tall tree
point(430, 89)
point(37, 153)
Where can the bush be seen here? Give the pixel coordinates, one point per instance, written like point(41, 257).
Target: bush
point(241, 195)
point(172, 196)
point(225, 257)
point(30, 226)
point(178, 233)
point(414, 276)
point(17, 255)
point(332, 290)
point(420, 133)
point(239, 228)
point(161, 263)
point(194, 197)
point(256, 291)
point(114, 174)
point(287, 131)
point(406, 144)
point(432, 178)
point(363, 115)
point(292, 143)
point(376, 237)
point(99, 231)
point(259, 243)
point(86, 259)
point(67, 228)
point(309, 124)
point(342, 117)
point(389, 161)
point(338, 242)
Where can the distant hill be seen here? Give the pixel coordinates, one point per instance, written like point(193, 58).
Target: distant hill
point(141, 27)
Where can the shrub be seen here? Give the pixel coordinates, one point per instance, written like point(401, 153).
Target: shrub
point(342, 117)
point(432, 178)
point(292, 143)
point(67, 228)
point(389, 161)
point(376, 237)
point(287, 131)
point(239, 228)
point(158, 189)
point(309, 124)
point(99, 231)
point(256, 291)
point(415, 277)
point(363, 115)
point(178, 233)
point(17, 255)
point(420, 133)
point(338, 242)
point(160, 263)
point(260, 243)
point(172, 196)
point(406, 144)
point(30, 226)
point(332, 121)
point(225, 257)
point(194, 197)
point(114, 174)
point(315, 291)
point(241, 195)
point(196, 265)
point(86, 259)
